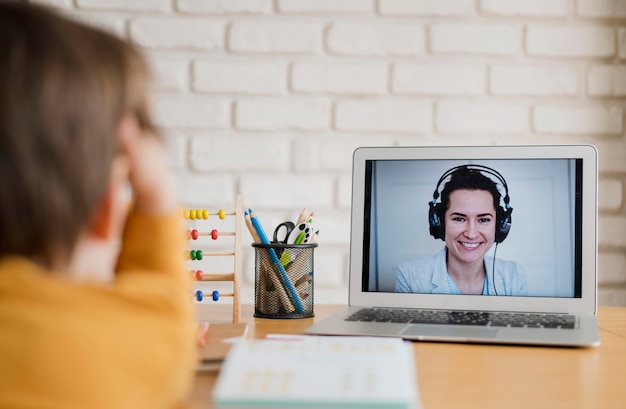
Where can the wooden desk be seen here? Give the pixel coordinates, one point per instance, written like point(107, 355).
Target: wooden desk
point(484, 376)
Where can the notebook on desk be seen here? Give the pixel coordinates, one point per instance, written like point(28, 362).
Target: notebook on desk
point(492, 244)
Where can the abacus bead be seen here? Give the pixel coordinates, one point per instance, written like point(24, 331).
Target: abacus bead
point(192, 254)
point(199, 275)
point(216, 295)
point(205, 214)
point(198, 254)
point(198, 214)
point(187, 255)
point(199, 295)
point(214, 234)
point(222, 214)
point(192, 214)
point(194, 234)
point(186, 214)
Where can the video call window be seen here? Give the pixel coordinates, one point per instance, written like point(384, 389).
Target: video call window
point(538, 230)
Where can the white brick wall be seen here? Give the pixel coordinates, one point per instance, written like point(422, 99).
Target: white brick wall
point(192, 111)
point(395, 115)
point(449, 8)
point(206, 153)
point(438, 79)
point(601, 8)
point(534, 80)
point(606, 81)
point(171, 73)
point(280, 114)
point(570, 41)
point(527, 8)
point(579, 119)
point(126, 5)
point(261, 77)
point(383, 39)
point(621, 42)
point(317, 6)
point(269, 98)
point(271, 36)
point(352, 78)
point(478, 117)
point(474, 38)
point(224, 7)
point(177, 33)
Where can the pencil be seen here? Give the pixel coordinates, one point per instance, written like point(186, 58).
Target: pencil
point(282, 295)
point(282, 274)
point(303, 215)
point(253, 233)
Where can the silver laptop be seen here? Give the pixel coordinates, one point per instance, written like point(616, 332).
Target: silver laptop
point(489, 244)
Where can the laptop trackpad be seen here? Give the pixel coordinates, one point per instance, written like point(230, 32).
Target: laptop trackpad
point(439, 332)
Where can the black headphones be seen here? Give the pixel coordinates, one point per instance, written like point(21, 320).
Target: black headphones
point(436, 211)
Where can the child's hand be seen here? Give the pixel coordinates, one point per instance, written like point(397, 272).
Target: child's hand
point(202, 334)
point(151, 180)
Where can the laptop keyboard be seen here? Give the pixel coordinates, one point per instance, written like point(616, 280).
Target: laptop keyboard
point(477, 318)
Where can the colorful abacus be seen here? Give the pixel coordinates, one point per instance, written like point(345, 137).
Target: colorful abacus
point(215, 295)
point(214, 234)
point(203, 214)
point(199, 255)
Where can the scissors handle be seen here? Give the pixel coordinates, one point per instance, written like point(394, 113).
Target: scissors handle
point(288, 226)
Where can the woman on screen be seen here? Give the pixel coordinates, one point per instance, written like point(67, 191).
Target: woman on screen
point(469, 219)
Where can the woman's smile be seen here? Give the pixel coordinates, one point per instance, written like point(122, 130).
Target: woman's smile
point(469, 226)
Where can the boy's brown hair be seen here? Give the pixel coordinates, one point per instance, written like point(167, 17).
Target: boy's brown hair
point(64, 88)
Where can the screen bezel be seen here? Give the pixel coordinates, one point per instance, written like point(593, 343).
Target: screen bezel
point(588, 226)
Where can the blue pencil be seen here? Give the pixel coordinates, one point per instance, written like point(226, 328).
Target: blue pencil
point(291, 291)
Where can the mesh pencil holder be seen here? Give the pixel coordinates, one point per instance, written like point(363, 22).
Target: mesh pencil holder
point(283, 278)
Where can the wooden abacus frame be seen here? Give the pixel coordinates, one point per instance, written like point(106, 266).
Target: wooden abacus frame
point(203, 214)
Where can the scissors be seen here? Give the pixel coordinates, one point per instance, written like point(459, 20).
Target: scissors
point(300, 234)
point(288, 228)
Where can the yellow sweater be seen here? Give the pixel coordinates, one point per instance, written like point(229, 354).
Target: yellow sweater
point(128, 344)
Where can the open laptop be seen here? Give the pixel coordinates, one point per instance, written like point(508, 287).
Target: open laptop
point(538, 288)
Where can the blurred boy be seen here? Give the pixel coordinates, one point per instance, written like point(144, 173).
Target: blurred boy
point(95, 303)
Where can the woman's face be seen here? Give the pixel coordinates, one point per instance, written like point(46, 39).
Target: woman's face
point(470, 225)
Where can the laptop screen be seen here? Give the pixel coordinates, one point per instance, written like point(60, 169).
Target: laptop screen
point(493, 224)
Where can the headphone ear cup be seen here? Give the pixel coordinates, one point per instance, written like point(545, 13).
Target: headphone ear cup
point(503, 224)
point(435, 220)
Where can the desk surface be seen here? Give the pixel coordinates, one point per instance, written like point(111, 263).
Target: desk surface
point(488, 376)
